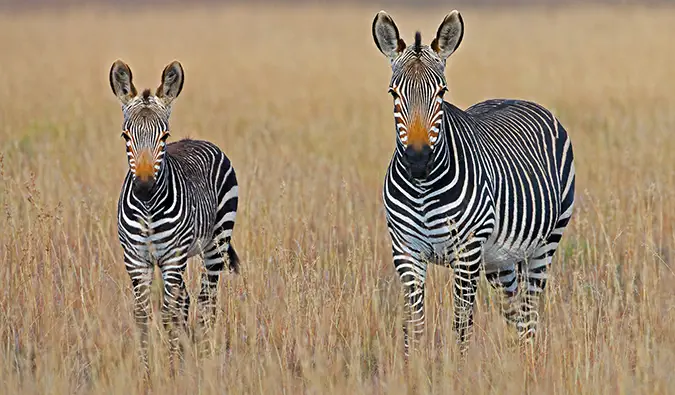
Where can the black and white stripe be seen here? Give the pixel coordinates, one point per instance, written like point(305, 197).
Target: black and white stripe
point(495, 189)
point(185, 205)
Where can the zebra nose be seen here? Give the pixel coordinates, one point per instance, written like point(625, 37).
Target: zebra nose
point(142, 188)
point(418, 161)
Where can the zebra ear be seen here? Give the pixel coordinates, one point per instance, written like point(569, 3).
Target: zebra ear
point(385, 34)
point(449, 35)
point(172, 82)
point(120, 81)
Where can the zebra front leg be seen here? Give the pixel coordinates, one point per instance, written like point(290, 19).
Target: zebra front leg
point(175, 306)
point(412, 273)
point(506, 280)
point(140, 273)
point(467, 271)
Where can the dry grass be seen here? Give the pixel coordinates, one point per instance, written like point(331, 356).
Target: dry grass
point(297, 99)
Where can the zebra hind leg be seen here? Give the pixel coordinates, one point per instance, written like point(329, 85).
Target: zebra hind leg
point(214, 259)
point(506, 280)
point(535, 274)
point(535, 270)
point(175, 306)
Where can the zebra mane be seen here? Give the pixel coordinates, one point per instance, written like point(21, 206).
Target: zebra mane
point(418, 43)
point(146, 95)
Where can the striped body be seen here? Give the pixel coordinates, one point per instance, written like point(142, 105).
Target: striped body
point(491, 187)
point(506, 178)
point(198, 197)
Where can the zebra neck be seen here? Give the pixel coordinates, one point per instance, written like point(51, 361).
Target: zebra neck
point(441, 156)
point(160, 194)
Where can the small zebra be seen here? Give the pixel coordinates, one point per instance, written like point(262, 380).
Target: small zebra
point(490, 187)
point(178, 200)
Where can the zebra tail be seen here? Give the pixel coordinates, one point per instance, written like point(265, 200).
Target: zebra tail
point(233, 259)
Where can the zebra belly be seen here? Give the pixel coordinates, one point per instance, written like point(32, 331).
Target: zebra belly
point(198, 246)
point(505, 255)
point(500, 252)
point(444, 250)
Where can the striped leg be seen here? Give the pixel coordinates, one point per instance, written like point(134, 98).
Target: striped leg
point(215, 256)
point(175, 306)
point(412, 273)
point(467, 272)
point(535, 276)
point(506, 280)
point(218, 252)
point(141, 279)
point(535, 270)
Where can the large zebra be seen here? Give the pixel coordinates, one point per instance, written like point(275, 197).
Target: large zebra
point(490, 186)
point(178, 200)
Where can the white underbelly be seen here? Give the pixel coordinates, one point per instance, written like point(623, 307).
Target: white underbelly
point(198, 246)
point(503, 254)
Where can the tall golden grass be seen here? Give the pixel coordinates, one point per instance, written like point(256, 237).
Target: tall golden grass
point(297, 99)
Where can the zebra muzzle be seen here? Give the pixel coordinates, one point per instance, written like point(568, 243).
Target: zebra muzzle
point(144, 169)
point(144, 175)
point(142, 189)
point(418, 161)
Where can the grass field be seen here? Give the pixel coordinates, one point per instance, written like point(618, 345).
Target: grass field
point(297, 98)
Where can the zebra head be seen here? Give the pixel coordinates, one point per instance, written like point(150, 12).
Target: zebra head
point(146, 121)
point(417, 86)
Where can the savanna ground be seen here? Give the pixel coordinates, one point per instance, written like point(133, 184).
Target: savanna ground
point(297, 97)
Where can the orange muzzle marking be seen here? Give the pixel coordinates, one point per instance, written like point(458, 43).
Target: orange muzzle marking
point(145, 166)
point(418, 135)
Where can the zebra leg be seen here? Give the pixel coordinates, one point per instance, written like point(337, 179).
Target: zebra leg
point(467, 272)
point(175, 306)
point(215, 257)
point(535, 270)
point(141, 279)
point(535, 275)
point(506, 280)
point(412, 273)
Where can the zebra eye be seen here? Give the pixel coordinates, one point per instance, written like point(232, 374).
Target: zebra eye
point(442, 91)
point(393, 93)
point(165, 136)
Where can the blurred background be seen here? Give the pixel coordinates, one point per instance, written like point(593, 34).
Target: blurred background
point(28, 4)
point(295, 93)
